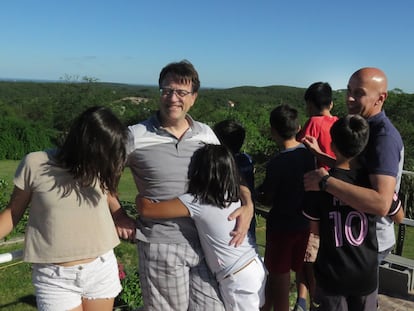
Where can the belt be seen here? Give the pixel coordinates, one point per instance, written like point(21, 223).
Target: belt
point(237, 271)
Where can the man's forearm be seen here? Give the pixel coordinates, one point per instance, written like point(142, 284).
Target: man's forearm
point(375, 201)
point(246, 198)
point(363, 199)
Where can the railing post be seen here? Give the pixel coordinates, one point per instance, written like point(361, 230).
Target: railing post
point(11, 256)
point(399, 245)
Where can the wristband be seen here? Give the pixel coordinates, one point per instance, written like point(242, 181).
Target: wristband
point(323, 182)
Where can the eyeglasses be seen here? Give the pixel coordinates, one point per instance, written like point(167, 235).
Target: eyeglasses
point(166, 91)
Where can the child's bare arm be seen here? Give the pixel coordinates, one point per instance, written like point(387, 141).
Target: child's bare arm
point(10, 216)
point(165, 209)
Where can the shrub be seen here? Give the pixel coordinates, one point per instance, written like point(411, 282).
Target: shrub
point(3, 193)
point(130, 298)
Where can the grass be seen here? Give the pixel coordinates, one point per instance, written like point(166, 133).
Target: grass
point(127, 189)
point(16, 290)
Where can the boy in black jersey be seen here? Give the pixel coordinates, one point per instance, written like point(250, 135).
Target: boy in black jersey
point(346, 266)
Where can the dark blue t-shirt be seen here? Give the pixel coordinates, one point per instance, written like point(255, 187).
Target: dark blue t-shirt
point(284, 180)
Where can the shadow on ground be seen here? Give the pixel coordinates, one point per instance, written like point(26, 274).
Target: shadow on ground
point(29, 300)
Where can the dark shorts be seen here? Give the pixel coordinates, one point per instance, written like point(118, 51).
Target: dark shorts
point(285, 251)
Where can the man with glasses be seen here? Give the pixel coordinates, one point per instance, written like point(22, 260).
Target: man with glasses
point(173, 273)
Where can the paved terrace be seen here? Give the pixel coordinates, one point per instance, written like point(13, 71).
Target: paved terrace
point(396, 303)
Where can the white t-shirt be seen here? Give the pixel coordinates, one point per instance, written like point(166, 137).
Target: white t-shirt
point(214, 230)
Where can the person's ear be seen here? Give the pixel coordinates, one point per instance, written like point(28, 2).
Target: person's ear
point(381, 98)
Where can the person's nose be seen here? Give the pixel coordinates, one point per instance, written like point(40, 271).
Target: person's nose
point(174, 94)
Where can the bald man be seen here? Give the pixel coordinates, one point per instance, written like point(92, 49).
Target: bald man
point(382, 158)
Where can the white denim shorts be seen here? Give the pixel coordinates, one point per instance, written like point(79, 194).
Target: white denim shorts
point(62, 288)
point(244, 290)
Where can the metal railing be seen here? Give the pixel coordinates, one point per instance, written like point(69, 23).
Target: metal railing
point(15, 255)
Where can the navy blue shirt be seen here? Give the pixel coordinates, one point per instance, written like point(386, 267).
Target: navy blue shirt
point(284, 180)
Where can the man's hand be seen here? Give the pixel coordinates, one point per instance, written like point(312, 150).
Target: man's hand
point(311, 179)
point(243, 216)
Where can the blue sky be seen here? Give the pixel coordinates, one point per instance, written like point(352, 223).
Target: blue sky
point(231, 43)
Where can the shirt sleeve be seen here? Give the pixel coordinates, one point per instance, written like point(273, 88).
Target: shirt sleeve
point(309, 129)
point(192, 206)
point(24, 175)
point(311, 209)
point(395, 205)
point(384, 157)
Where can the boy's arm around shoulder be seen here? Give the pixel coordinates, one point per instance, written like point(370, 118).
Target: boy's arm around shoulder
point(164, 209)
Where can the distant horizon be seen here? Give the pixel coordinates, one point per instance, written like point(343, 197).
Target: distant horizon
point(2, 79)
point(137, 84)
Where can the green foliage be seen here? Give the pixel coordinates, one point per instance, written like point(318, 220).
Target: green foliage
point(130, 297)
point(49, 108)
point(407, 194)
point(16, 289)
point(3, 194)
point(36, 114)
point(399, 108)
point(20, 137)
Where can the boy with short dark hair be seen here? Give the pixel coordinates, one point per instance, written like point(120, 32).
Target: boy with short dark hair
point(318, 100)
point(346, 266)
point(232, 134)
point(287, 230)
